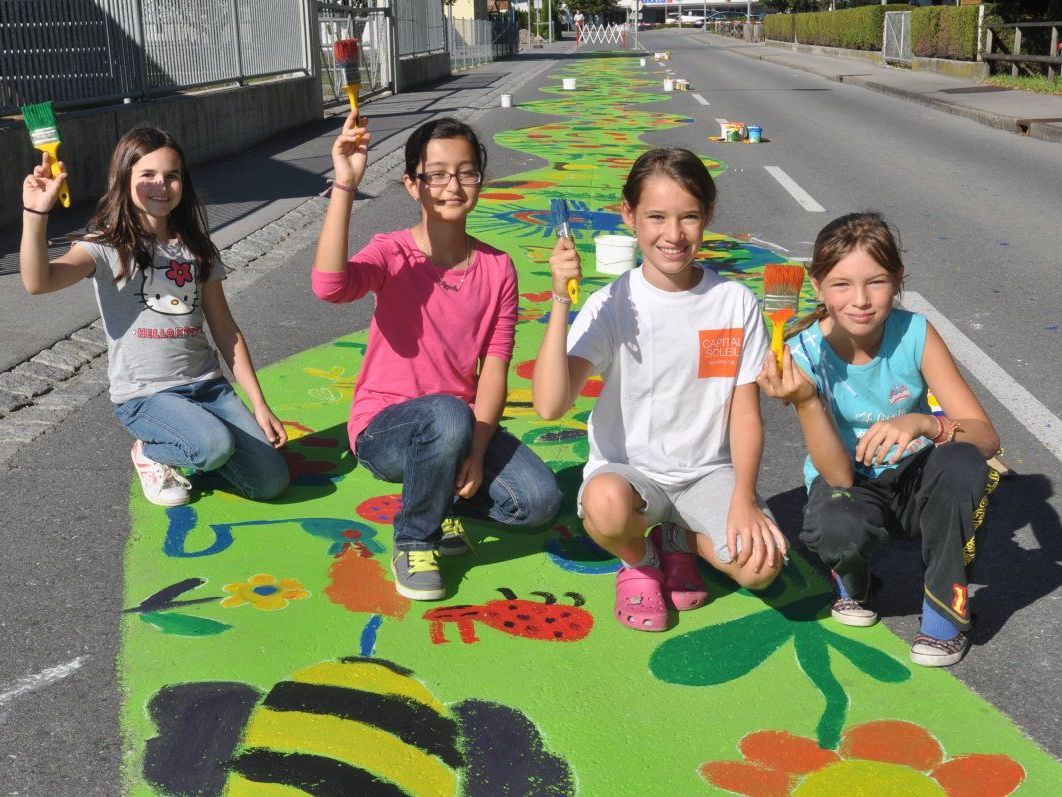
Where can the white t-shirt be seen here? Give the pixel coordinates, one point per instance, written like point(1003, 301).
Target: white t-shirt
point(671, 362)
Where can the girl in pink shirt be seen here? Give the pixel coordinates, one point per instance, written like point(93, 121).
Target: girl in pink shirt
point(433, 385)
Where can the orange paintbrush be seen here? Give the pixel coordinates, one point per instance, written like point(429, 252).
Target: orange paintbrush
point(781, 299)
point(346, 52)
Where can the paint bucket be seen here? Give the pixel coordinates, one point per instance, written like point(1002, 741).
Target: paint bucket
point(568, 83)
point(735, 131)
point(755, 134)
point(641, 62)
point(669, 84)
point(722, 128)
point(615, 253)
point(682, 84)
point(507, 101)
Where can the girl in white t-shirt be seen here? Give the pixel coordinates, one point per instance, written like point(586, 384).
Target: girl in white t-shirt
point(676, 435)
point(157, 278)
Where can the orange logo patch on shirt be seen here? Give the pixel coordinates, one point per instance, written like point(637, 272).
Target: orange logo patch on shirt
point(720, 352)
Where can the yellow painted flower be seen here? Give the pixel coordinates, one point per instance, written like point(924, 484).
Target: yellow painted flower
point(264, 592)
point(875, 759)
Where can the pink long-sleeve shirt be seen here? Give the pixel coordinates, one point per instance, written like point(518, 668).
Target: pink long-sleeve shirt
point(423, 339)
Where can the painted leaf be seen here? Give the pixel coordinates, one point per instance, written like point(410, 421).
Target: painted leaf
point(720, 653)
point(813, 655)
point(184, 624)
point(875, 663)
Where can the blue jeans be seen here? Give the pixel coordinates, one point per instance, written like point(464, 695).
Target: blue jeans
point(422, 443)
point(205, 426)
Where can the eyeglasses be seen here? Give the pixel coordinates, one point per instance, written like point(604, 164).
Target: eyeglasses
point(440, 179)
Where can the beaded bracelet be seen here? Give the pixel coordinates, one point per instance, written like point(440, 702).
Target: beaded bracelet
point(948, 428)
point(562, 299)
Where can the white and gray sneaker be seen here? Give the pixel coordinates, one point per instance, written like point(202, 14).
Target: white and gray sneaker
point(162, 484)
point(417, 575)
point(932, 652)
point(848, 611)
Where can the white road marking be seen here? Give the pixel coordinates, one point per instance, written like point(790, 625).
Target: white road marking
point(802, 197)
point(1044, 425)
point(39, 680)
point(700, 99)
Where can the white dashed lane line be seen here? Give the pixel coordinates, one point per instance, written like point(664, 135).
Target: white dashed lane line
point(700, 99)
point(1023, 405)
point(803, 198)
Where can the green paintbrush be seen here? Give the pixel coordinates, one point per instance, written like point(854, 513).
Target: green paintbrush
point(44, 133)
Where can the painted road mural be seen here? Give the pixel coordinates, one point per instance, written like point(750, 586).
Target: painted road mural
point(265, 651)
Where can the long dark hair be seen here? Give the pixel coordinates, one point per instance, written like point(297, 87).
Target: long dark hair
point(680, 165)
point(867, 231)
point(117, 219)
point(447, 127)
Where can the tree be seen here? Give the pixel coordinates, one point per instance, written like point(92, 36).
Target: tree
point(589, 7)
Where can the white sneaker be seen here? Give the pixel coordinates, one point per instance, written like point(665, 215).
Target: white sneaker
point(162, 484)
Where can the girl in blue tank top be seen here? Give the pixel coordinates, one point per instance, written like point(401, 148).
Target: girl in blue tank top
point(880, 464)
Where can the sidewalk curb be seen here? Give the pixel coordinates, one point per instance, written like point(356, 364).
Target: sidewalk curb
point(1011, 124)
point(43, 390)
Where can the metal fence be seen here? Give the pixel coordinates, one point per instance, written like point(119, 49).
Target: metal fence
point(372, 28)
point(896, 41)
point(480, 41)
point(84, 52)
point(420, 27)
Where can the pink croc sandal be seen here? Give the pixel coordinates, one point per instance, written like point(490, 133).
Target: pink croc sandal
point(684, 585)
point(640, 598)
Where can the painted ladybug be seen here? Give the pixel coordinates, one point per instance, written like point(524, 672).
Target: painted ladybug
point(547, 621)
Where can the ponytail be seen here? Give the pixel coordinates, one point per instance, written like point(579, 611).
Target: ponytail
point(806, 321)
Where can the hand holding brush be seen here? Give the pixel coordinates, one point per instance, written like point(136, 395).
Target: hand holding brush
point(558, 209)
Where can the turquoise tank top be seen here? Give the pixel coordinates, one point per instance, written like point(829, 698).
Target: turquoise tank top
point(859, 396)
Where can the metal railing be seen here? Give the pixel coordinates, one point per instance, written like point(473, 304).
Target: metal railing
point(480, 41)
point(420, 27)
point(372, 28)
point(87, 52)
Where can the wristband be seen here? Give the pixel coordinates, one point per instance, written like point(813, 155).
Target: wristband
point(562, 299)
point(36, 212)
point(344, 187)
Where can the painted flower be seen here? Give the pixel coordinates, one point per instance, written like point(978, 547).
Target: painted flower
point(264, 592)
point(875, 759)
point(179, 273)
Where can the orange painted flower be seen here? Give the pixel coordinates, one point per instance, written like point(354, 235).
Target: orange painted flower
point(264, 592)
point(875, 759)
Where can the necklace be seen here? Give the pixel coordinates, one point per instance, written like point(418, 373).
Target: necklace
point(446, 286)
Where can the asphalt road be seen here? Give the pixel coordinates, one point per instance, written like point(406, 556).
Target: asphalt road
point(977, 211)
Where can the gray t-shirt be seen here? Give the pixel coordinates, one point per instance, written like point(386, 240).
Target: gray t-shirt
point(154, 321)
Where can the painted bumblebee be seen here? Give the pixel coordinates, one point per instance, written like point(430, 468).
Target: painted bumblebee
point(358, 726)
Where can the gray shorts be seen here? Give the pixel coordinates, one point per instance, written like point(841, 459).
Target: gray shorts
point(701, 506)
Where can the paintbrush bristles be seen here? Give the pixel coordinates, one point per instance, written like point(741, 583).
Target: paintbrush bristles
point(781, 286)
point(41, 122)
point(346, 51)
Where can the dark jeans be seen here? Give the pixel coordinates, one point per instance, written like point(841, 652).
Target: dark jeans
point(422, 443)
point(939, 495)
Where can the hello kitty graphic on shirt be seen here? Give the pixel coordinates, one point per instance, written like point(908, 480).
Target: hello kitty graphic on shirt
point(172, 290)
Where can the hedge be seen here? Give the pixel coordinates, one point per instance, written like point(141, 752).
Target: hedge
point(945, 32)
point(779, 26)
point(853, 28)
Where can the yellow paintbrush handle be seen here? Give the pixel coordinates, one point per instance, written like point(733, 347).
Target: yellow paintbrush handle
point(64, 190)
point(777, 343)
point(352, 95)
point(573, 290)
